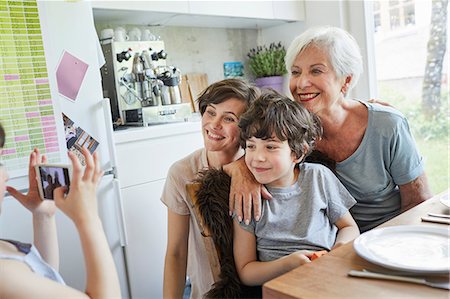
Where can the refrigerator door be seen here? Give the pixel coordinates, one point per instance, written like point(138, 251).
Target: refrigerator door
point(110, 210)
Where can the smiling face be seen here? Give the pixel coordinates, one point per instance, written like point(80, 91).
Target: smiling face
point(271, 161)
point(313, 82)
point(220, 126)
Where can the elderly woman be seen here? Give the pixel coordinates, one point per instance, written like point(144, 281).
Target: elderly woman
point(221, 105)
point(376, 157)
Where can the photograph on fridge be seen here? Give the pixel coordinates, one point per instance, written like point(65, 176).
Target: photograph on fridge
point(77, 138)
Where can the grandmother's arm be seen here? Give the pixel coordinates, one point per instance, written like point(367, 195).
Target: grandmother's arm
point(415, 192)
point(245, 191)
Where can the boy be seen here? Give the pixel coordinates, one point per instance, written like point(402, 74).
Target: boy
point(309, 209)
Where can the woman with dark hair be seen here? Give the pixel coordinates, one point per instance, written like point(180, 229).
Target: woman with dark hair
point(221, 105)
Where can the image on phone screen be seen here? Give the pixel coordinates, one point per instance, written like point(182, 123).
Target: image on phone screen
point(52, 177)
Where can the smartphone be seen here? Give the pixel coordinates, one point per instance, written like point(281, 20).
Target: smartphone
point(50, 177)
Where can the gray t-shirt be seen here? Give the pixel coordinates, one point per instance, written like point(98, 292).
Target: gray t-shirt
point(387, 157)
point(302, 216)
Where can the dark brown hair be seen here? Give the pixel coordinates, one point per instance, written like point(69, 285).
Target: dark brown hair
point(2, 136)
point(273, 113)
point(221, 91)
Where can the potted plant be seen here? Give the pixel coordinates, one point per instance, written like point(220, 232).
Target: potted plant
point(267, 65)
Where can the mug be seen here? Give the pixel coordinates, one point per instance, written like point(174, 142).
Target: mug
point(147, 35)
point(120, 36)
point(135, 34)
point(106, 33)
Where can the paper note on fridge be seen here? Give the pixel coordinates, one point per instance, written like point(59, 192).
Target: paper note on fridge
point(70, 74)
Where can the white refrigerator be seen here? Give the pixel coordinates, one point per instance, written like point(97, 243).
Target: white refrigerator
point(69, 26)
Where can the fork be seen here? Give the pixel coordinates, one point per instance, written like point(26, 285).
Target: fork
point(435, 282)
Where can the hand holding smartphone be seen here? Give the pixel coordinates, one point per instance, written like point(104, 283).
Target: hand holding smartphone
point(50, 177)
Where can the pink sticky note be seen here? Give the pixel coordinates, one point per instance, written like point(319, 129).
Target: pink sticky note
point(69, 75)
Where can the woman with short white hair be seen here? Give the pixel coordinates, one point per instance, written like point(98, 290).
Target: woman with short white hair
point(370, 145)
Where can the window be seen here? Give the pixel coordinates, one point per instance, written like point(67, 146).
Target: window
point(402, 31)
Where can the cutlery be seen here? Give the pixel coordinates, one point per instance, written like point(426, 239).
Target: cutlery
point(436, 220)
point(435, 282)
point(439, 215)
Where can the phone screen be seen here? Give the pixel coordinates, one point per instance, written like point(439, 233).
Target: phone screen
point(52, 177)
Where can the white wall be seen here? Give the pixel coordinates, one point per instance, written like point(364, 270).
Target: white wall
point(200, 49)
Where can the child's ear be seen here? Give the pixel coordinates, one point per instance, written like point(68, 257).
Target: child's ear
point(299, 159)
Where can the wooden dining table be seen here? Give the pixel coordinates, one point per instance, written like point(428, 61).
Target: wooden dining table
point(327, 277)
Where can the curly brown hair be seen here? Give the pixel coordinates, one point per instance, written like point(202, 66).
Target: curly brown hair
point(273, 113)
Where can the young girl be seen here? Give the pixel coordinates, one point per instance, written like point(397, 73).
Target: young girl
point(30, 271)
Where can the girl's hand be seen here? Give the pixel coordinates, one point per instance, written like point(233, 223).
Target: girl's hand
point(32, 201)
point(80, 204)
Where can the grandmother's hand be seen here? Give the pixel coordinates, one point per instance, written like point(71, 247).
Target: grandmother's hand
point(245, 192)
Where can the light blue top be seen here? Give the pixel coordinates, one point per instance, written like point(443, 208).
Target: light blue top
point(33, 259)
point(387, 157)
point(301, 216)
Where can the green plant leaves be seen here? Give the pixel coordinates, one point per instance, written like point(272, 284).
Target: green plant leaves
point(266, 62)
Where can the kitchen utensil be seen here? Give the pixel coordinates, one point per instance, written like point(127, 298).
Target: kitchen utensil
point(106, 33)
point(439, 215)
point(435, 282)
point(135, 34)
point(197, 83)
point(410, 248)
point(436, 220)
point(120, 34)
point(147, 35)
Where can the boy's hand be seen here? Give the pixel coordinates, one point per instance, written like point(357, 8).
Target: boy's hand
point(300, 257)
point(80, 204)
point(32, 201)
point(245, 192)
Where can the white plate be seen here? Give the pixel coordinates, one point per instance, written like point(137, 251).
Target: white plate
point(410, 248)
point(445, 200)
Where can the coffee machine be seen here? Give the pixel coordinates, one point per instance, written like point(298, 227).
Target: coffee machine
point(143, 90)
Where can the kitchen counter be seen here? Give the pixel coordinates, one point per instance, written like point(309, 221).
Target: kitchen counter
point(132, 134)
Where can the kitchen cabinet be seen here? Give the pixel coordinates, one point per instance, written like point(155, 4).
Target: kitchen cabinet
point(289, 10)
point(144, 156)
point(243, 9)
point(220, 14)
point(157, 6)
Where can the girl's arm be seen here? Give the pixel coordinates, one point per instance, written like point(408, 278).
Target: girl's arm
point(18, 281)
point(176, 255)
point(348, 230)
point(80, 205)
point(253, 272)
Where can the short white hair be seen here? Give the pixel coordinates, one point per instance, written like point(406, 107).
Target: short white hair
point(343, 51)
